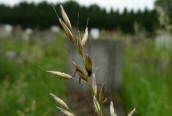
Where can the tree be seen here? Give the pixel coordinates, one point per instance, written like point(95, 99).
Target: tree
point(166, 5)
point(42, 16)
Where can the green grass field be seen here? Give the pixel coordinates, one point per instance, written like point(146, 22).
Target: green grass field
point(147, 80)
point(25, 88)
point(22, 82)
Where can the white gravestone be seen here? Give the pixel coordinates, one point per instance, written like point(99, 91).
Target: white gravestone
point(108, 55)
point(164, 41)
point(95, 33)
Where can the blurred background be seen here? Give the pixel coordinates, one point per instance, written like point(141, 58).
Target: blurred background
point(31, 37)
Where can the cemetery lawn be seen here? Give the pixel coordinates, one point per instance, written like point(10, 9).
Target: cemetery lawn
point(24, 87)
point(147, 80)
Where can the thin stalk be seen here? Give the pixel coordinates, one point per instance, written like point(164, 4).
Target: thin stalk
point(92, 92)
point(82, 58)
point(72, 112)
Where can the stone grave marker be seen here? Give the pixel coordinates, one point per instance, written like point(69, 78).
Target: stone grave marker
point(164, 41)
point(108, 55)
point(95, 33)
point(27, 34)
point(48, 37)
point(18, 33)
point(55, 29)
point(35, 37)
point(5, 31)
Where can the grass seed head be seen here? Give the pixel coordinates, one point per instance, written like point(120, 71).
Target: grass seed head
point(65, 18)
point(60, 101)
point(85, 38)
point(112, 110)
point(61, 74)
point(102, 94)
point(80, 48)
point(88, 65)
point(96, 104)
point(67, 31)
point(80, 72)
point(94, 85)
point(83, 76)
point(78, 68)
point(68, 113)
point(132, 112)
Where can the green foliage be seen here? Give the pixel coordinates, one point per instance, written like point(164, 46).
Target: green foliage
point(147, 80)
point(22, 87)
point(166, 5)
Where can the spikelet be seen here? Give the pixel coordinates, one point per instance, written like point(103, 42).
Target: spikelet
point(85, 38)
point(94, 85)
point(80, 48)
point(132, 112)
point(60, 101)
point(67, 31)
point(65, 18)
point(61, 74)
point(68, 113)
point(80, 71)
point(96, 105)
point(102, 94)
point(112, 111)
point(78, 68)
point(88, 65)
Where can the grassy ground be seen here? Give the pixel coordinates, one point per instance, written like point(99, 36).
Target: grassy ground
point(147, 80)
point(22, 91)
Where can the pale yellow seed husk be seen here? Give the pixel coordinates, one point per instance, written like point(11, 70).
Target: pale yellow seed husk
point(132, 112)
point(80, 44)
point(112, 111)
point(67, 31)
point(65, 112)
point(94, 85)
point(65, 18)
point(85, 38)
point(61, 74)
point(96, 104)
point(60, 101)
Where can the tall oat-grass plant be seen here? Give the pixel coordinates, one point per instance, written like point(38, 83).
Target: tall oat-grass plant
point(85, 74)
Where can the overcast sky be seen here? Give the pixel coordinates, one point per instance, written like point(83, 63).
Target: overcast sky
point(108, 4)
